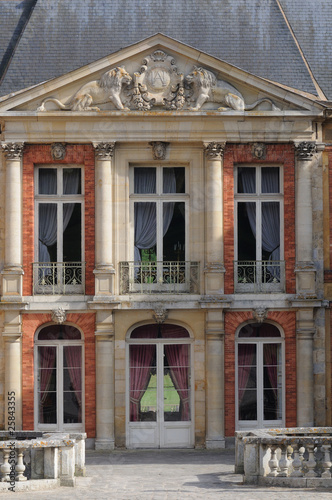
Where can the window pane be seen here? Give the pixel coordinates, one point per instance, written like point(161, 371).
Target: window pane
point(246, 180)
point(145, 231)
point(72, 234)
point(174, 231)
point(59, 332)
point(47, 181)
point(174, 180)
point(72, 181)
point(246, 214)
point(259, 330)
point(144, 180)
point(247, 382)
point(47, 232)
point(142, 371)
point(272, 381)
point(270, 180)
point(72, 411)
point(176, 382)
point(47, 410)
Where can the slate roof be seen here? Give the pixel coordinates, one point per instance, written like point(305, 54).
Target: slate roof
point(63, 35)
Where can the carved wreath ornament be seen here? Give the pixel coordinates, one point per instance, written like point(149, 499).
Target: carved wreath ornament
point(158, 83)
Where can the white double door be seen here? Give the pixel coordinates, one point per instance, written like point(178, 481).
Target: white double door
point(159, 395)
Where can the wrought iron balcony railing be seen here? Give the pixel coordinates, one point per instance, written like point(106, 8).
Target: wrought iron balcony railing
point(159, 277)
point(259, 276)
point(58, 278)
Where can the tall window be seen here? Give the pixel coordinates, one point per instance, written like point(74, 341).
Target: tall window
point(59, 377)
point(158, 204)
point(259, 218)
point(259, 376)
point(58, 203)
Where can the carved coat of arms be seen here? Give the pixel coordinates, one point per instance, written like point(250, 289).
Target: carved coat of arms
point(158, 83)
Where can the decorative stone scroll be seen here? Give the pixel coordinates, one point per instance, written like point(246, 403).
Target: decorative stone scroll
point(59, 315)
point(58, 151)
point(159, 149)
point(104, 150)
point(160, 315)
point(260, 314)
point(214, 150)
point(305, 150)
point(13, 150)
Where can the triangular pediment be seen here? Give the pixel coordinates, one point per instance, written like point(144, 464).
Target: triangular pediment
point(156, 74)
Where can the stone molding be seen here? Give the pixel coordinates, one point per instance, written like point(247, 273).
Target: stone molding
point(305, 150)
point(214, 267)
point(13, 150)
point(159, 149)
point(214, 150)
point(104, 150)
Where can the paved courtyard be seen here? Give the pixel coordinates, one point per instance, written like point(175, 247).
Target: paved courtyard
point(166, 475)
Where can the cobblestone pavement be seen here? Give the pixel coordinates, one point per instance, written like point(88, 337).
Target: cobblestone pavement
point(166, 475)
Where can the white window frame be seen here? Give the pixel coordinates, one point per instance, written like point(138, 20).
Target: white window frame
point(259, 198)
point(259, 341)
point(59, 199)
point(59, 344)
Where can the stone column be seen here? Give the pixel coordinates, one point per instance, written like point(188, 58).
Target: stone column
point(305, 269)
point(104, 381)
point(215, 434)
point(12, 335)
point(214, 267)
point(305, 282)
point(12, 272)
point(104, 270)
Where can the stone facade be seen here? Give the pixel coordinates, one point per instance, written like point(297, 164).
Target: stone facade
point(168, 108)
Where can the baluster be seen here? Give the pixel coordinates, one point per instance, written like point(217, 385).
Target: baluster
point(20, 467)
point(327, 461)
point(5, 467)
point(311, 462)
point(284, 463)
point(297, 462)
point(273, 462)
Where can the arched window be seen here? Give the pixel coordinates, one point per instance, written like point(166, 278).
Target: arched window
point(59, 378)
point(260, 374)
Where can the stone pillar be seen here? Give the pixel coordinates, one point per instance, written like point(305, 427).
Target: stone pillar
point(215, 434)
point(12, 335)
point(104, 381)
point(12, 272)
point(305, 269)
point(214, 256)
point(305, 282)
point(104, 271)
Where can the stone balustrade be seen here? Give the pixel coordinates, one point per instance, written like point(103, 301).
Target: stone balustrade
point(35, 461)
point(295, 457)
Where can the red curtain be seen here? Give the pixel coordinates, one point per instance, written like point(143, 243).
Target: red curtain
point(73, 356)
point(246, 353)
point(178, 361)
point(47, 357)
point(141, 357)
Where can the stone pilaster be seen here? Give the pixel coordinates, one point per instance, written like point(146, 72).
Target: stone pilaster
point(12, 272)
point(304, 367)
point(305, 269)
point(12, 335)
point(104, 381)
point(214, 254)
point(104, 271)
point(215, 409)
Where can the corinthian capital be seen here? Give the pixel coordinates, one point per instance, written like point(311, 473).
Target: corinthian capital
point(104, 150)
point(305, 150)
point(214, 150)
point(13, 150)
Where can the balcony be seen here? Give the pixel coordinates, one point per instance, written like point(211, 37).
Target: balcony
point(259, 276)
point(58, 278)
point(159, 277)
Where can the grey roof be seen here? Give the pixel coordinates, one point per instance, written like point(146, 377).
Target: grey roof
point(311, 22)
point(63, 35)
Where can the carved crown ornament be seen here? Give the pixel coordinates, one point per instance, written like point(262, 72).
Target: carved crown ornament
point(156, 84)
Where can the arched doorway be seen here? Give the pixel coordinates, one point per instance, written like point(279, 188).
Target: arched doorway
point(260, 382)
point(59, 376)
point(159, 387)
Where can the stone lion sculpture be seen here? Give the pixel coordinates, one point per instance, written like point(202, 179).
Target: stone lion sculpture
point(206, 88)
point(108, 88)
